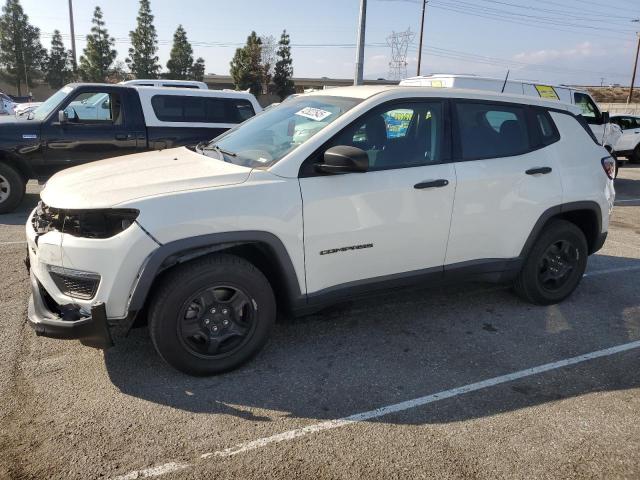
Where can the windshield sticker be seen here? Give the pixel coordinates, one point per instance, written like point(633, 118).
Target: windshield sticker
point(546, 91)
point(313, 113)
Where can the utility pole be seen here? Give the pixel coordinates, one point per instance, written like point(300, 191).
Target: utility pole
point(358, 80)
point(635, 67)
point(424, 7)
point(73, 37)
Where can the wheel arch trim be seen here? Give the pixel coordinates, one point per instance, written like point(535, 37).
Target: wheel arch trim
point(548, 214)
point(186, 249)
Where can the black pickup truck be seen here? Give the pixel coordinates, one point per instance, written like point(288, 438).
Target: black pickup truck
point(86, 122)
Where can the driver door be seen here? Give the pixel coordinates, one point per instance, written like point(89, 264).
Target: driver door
point(94, 130)
point(391, 222)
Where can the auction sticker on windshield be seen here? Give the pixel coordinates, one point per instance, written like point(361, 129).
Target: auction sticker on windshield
point(316, 114)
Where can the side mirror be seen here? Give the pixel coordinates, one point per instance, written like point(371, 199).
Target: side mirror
point(606, 118)
point(344, 159)
point(62, 117)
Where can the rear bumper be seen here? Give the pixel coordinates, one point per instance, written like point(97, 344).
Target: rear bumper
point(70, 322)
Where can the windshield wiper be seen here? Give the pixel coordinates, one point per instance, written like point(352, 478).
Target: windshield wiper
point(205, 147)
point(222, 150)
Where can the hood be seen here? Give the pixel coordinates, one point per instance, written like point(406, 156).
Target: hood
point(107, 183)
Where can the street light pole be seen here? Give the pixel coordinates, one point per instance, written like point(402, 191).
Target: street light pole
point(424, 7)
point(358, 80)
point(73, 37)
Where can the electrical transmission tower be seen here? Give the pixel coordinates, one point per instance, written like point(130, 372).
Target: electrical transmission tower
point(399, 43)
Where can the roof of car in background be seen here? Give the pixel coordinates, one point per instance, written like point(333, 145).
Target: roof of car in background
point(367, 91)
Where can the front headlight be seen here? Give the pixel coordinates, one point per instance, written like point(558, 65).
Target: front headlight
point(103, 223)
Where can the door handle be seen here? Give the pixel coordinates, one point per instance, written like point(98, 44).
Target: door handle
point(539, 170)
point(124, 136)
point(431, 184)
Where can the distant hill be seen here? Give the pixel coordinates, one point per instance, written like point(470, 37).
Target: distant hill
point(613, 94)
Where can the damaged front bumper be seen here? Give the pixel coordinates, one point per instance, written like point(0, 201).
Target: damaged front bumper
point(67, 321)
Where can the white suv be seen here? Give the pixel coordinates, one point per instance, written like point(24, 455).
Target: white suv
point(397, 185)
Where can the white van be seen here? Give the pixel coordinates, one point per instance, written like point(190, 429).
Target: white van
point(606, 132)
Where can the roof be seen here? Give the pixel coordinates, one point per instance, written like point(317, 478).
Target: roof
point(367, 91)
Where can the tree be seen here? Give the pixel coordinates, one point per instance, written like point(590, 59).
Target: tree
point(99, 53)
point(180, 61)
point(142, 60)
point(197, 70)
point(283, 73)
point(21, 53)
point(59, 70)
point(246, 69)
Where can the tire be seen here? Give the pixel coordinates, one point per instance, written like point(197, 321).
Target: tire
point(635, 156)
point(12, 188)
point(536, 283)
point(197, 328)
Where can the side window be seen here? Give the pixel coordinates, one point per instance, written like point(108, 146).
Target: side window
point(94, 108)
point(190, 109)
point(589, 109)
point(491, 130)
point(406, 135)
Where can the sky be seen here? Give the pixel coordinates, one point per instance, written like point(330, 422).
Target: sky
point(586, 42)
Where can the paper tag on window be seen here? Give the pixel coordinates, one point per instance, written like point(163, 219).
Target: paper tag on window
point(313, 113)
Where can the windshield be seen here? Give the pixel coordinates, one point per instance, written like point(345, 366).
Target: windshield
point(264, 139)
point(52, 102)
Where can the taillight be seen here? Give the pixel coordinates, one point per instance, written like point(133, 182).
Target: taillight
point(609, 166)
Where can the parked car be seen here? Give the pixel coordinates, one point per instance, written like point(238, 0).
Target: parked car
point(605, 131)
point(25, 108)
point(87, 122)
point(629, 143)
point(6, 104)
point(166, 83)
point(212, 241)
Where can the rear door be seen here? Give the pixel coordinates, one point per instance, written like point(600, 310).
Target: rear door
point(95, 129)
point(506, 179)
point(394, 218)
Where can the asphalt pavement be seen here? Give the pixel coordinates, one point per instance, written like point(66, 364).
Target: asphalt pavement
point(460, 382)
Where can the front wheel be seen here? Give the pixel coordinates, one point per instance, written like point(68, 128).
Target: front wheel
point(211, 315)
point(555, 265)
point(12, 188)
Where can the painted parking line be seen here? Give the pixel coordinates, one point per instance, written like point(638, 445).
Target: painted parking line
point(607, 271)
point(380, 412)
point(13, 243)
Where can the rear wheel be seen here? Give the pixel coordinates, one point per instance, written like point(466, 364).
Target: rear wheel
point(211, 315)
point(555, 265)
point(12, 188)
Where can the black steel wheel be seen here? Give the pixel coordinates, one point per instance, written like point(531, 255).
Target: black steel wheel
point(555, 265)
point(217, 321)
point(212, 314)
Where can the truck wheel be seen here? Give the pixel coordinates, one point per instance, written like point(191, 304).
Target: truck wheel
point(635, 156)
point(12, 188)
point(211, 315)
point(555, 265)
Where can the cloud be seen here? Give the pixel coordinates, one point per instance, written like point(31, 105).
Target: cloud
point(582, 50)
